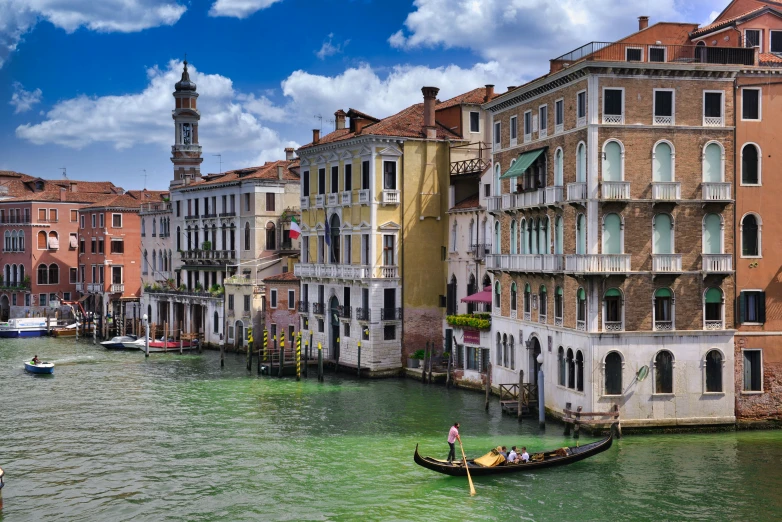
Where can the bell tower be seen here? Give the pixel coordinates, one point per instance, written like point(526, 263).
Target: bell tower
point(186, 152)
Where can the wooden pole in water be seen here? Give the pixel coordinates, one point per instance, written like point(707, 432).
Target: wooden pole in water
point(298, 357)
point(431, 356)
point(521, 393)
point(320, 362)
point(263, 347)
point(448, 372)
point(249, 356)
point(165, 339)
point(358, 364)
point(282, 352)
point(181, 342)
point(488, 385)
point(146, 340)
point(336, 360)
point(48, 323)
point(94, 334)
point(222, 355)
point(306, 356)
point(423, 364)
point(273, 353)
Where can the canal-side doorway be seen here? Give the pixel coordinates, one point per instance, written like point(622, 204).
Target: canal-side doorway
point(534, 366)
point(238, 335)
point(5, 308)
point(334, 321)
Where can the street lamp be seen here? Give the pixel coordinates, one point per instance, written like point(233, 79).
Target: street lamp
point(541, 398)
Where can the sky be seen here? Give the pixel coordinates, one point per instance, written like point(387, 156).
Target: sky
point(87, 85)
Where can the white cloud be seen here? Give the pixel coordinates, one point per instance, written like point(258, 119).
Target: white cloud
point(23, 100)
point(19, 16)
point(228, 122)
point(533, 31)
point(239, 8)
point(329, 49)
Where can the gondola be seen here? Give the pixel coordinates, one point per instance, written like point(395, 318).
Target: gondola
point(558, 457)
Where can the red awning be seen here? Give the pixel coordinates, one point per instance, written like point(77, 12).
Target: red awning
point(481, 297)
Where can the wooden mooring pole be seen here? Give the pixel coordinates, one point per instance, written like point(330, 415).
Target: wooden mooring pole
point(320, 362)
point(249, 357)
point(423, 363)
point(298, 357)
point(273, 353)
point(358, 364)
point(488, 385)
point(431, 356)
point(282, 353)
point(263, 347)
point(448, 372)
point(306, 356)
point(521, 393)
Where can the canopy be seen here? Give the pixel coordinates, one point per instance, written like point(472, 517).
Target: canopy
point(483, 296)
point(523, 163)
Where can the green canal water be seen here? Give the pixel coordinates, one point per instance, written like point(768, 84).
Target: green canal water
point(112, 436)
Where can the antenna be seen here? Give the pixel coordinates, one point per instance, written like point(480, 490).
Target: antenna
point(64, 172)
point(333, 122)
point(319, 118)
point(221, 161)
point(145, 177)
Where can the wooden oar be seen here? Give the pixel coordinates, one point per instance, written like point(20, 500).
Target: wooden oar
point(469, 478)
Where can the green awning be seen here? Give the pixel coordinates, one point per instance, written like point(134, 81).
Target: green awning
point(613, 292)
point(662, 292)
point(523, 163)
point(713, 296)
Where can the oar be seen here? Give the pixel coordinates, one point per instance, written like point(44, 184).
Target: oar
point(469, 478)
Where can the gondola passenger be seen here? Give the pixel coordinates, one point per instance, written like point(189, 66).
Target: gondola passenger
point(524, 455)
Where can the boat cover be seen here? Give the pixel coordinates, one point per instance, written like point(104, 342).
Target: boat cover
point(491, 459)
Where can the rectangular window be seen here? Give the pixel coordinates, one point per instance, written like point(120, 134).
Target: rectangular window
point(750, 104)
point(117, 246)
point(93, 220)
point(42, 215)
point(776, 41)
point(388, 250)
point(100, 274)
point(196, 207)
point(100, 245)
point(752, 307)
point(514, 128)
point(74, 216)
point(389, 332)
point(116, 221)
point(116, 275)
point(712, 105)
point(364, 249)
point(305, 184)
point(178, 208)
point(347, 250)
point(497, 136)
point(93, 246)
point(273, 298)
point(230, 301)
point(53, 215)
point(612, 102)
point(320, 325)
point(487, 190)
point(321, 181)
point(753, 371)
point(543, 120)
point(389, 175)
point(94, 274)
point(72, 274)
point(27, 299)
point(527, 124)
point(657, 54)
point(663, 106)
point(634, 54)
point(73, 240)
point(365, 175)
point(42, 299)
point(348, 177)
point(246, 202)
point(101, 221)
point(291, 336)
point(291, 299)
point(559, 112)
point(81, 221)
point(270, 202)
point(26, 215)
point(247, 303)
point(232, 200)
point(335, 179)
point(475, 121)
point(346, 329)
point(66, 296)
point(321, 249)
point(752, 38)
point(82, 245)
point(581, 105)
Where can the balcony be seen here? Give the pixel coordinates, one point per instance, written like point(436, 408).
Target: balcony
point(185, 148)
point(319, 200)
point(345, 312)
point(209, 215)
point(613, 119)
point(615, 190)
point(558, 321)
point(530, 199)
point(332, 199)
point(716, 191)
point(228, 214)
point(581, 325)
point(525, 262)
point(666, 190)
point(613, 326)
point(304, 202)
point(80, 287)
point(470, 166)
point(542, 318)
point(713, 121)
point(494, 203)
point(390, 197)
point(528, 316)
point(662, 120)
point(363, 197)
point(117, 288)
point(717, 263)
point(191, 217)
point(576, 191)
point(479, 251)
point(317, 308)
point(208, 257)
point(390, 314)
point(347, 272)
point(597, 263)
point(303, 307)
point(389, 272)
point(714, 325)
point(346, 198)
point(94, 287)
point(362, 314)
point(555, 195)
point(155, 207)
point(654, 53)
point(666, 263)
point(663, 326)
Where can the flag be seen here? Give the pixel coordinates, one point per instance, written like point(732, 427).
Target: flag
point(295, 229)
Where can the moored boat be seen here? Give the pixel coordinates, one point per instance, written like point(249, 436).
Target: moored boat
point(545, 459)
point(24, 327)
point(67, 331)
point(161, 346)
point(41, 367)
point(121, 342)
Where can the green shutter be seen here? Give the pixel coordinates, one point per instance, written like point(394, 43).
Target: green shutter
point(663, 292)
point(581, 294)
point(559, 290)
point(762, 307)
point(613, 292)
point(542, 289)
point(742, 308)
point(713, 296)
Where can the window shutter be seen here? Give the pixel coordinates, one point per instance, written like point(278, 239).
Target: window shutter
point(747, 372)
point(742, 308)
point(762, 307)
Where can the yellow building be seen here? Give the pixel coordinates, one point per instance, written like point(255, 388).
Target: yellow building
point(374, 232)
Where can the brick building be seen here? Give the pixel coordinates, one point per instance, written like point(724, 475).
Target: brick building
point(612, 233)
point(282, 306)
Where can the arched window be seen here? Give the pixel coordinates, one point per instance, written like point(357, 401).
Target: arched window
point(561, 365)
point(613, 374)
point(712, 234)
point(523, 237)
point(54, 274)
point(497, 244)
point(216, 323)
point(612, 234)
point(663, 309)
point(471, 235)
point(543, 235)
point(543, 304)
point(246, 236)
point(154, 224)
point(512, 351)
point(21, 273)
point(581, 245)
point(559, 305)
point(160, 260)
point(528, 236)
point(54, 241)
point(750, 236)
point(662, 162)
point(750, 164)
point(612, 161)
point(143, 227)
point(527, 301)
point(497, 294)
point(612, 311)
point(14, 275)
point(581, 308)
point(21, 241)
point(714, 372)
point(581, 163)
point(579, 371)
point(178, 238)
point(497, 185)
point(154, 261)
point(499, 349)
point(42, 240)
point(571, 369)
point(713, 309)
point(663, 372)
point(13, 241)
point(558, 168)
point(43, 275)
point(7, 241)
point(271, 239)
point(663, 234)
point(512, 236)
point(7, 273)
point(559, 237)
point(533, 236)
point(163, 227)
point(453, 238)
point(513, 296)
point(713, 163)
point(145, 263)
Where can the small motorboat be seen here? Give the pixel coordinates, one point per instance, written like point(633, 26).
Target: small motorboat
point(121, 342)
point(66, 331)
point(161, 346)
point(24, 327)
point(41, 367)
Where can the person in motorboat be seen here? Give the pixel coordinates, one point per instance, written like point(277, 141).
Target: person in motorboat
point(36, 361)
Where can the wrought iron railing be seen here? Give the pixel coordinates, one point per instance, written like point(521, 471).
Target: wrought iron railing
point(390, 314)
point(659, 53)
point(362, 314)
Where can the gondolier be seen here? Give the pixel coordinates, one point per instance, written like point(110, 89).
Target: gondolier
point(453, 436)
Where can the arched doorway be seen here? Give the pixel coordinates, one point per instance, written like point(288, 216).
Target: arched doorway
point(470, 291)
point(334, 322)
point(534, 366)
point(238, 335)
point(334, 239)
point(5, 308)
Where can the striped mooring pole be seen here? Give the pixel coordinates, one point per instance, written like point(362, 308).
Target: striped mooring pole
point(282, 352)
point(298, 357)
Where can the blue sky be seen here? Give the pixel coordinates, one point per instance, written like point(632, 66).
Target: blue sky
point(87, 85)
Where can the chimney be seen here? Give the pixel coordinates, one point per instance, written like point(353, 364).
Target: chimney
point(339, 119)
point(511, 87)
point(489, 93)
point(315, 136)
point(73, 187)
point(643, 22)
point(280, 172)
point(289, 153)
point(430, 98)
point(63, 190)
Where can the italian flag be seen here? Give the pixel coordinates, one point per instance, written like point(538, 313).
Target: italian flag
point(295, 229)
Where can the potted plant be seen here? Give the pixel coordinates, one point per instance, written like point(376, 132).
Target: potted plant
point(415, 359)
point(207, 245)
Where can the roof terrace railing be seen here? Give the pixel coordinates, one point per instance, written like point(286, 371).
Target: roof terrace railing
point(660, 53)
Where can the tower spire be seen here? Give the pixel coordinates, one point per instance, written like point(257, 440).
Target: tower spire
point(186, 152)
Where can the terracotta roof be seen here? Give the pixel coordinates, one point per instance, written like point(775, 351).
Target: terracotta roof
point(266, 171)
point(148, 196)
point(352, 113)
point(719, 24)
point(69, 197)
point(473, 97)
point(24, 186)
point(769, 59)
point(121, 201)
point(408, 123)
point(285, 276)
point(468, 203)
